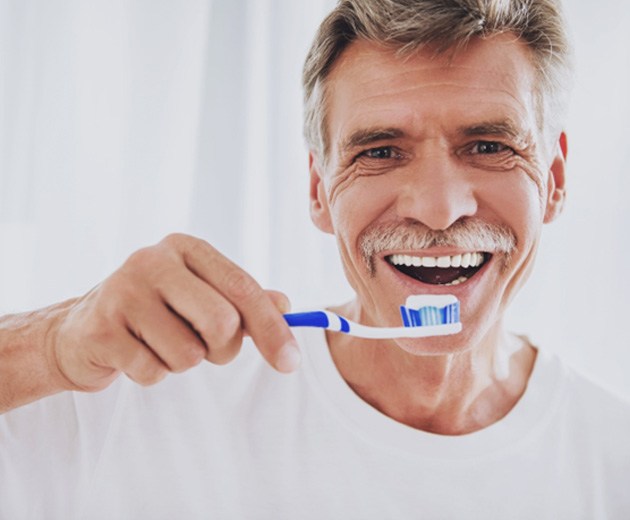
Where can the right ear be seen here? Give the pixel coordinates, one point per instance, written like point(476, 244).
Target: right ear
point(320, 211)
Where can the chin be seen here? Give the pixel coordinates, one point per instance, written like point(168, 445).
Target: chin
point(437, 346)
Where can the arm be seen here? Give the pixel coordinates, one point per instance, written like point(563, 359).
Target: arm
point(166, 309)
point(27, 370)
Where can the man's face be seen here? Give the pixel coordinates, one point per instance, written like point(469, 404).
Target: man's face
point(444, 148)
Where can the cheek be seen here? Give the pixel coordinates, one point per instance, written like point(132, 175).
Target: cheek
point(358, 203)
point(354, 208)
point(516, 202)
point(516, 199)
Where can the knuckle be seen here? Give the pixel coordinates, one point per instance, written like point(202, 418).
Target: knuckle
point(197, 246)
point(189, 357)
point(175, 240)
point(240, 286)
point(189, 249)
point(204, 327)
point(145, 260)
point(148, 373)
point(227, 324)
point(183, 244)
point(152, 379)
point(146, 267)
point(224, 354)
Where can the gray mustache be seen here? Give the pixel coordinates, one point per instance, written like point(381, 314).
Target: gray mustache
point(467, 233)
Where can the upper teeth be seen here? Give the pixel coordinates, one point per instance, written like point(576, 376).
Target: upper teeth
point(463, 260)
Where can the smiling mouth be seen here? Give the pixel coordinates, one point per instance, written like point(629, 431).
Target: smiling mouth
point(440, 270)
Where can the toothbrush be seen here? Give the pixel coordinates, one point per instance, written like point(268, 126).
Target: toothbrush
point(422, 315)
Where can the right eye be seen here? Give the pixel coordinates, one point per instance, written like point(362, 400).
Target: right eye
point(381, 152)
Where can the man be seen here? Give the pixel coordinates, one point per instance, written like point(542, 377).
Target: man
point(436, 155)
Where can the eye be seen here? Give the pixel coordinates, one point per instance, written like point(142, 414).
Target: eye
point(382, 152)
point(489, 148)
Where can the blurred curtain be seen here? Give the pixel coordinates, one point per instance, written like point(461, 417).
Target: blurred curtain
point(99, 136)
point(124, 120)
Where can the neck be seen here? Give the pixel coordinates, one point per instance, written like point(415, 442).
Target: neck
point(450, 394)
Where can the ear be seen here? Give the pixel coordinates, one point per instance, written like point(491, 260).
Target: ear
point(320, 212)
point(556, 181)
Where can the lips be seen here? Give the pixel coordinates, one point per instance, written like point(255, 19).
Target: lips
point(440, 270)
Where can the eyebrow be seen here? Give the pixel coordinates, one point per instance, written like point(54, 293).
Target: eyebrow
point(505, 128)
point(366, 136)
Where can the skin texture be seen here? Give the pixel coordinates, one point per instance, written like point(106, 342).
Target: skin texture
point(169, 307)
point(436, 140)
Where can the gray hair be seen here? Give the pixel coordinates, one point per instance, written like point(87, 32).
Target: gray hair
point(408, 25)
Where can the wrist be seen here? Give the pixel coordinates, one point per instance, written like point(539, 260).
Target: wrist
point(28, 360)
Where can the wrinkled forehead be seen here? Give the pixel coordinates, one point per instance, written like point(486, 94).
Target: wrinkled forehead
point(369, 78)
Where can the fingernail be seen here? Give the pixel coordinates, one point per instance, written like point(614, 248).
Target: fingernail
point(289, 358)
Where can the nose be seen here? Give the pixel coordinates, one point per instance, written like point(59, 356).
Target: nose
point(437, 192)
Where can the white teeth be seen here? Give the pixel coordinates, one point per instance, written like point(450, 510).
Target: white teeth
point(429, 261)
point(459, 280)
point(476, 259)
point(464, 260)
point(444, 261)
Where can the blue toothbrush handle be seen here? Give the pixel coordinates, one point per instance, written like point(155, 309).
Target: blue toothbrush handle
point(320, 319)
point(307, 319)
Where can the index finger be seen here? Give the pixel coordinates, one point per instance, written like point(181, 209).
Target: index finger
point(260, 316)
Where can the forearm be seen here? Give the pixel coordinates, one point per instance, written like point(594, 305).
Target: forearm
point(28, 369)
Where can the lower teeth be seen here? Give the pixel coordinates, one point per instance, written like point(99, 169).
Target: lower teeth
point(457, 281)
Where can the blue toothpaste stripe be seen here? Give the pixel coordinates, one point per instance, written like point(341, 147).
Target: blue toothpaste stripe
point(430, 315)
point(405, 317)
point(450, 314)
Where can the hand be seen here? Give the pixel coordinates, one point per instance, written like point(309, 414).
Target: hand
point(165, 310)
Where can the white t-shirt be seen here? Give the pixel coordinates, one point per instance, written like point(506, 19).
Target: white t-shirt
point(242, 441)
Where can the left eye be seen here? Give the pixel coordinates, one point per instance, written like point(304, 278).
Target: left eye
point(489, 147)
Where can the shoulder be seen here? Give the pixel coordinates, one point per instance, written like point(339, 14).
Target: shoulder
point(598, 426)
point(579, 390)
point(588, 396)
point(596, 421)
point(581, 411)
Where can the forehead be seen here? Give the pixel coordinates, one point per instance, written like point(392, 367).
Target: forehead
point(371, 86)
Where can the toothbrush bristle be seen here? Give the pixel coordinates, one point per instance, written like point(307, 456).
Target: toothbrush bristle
point(405, 316)
point(430, 315)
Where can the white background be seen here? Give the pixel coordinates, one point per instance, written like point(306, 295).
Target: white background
point(121, 121)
